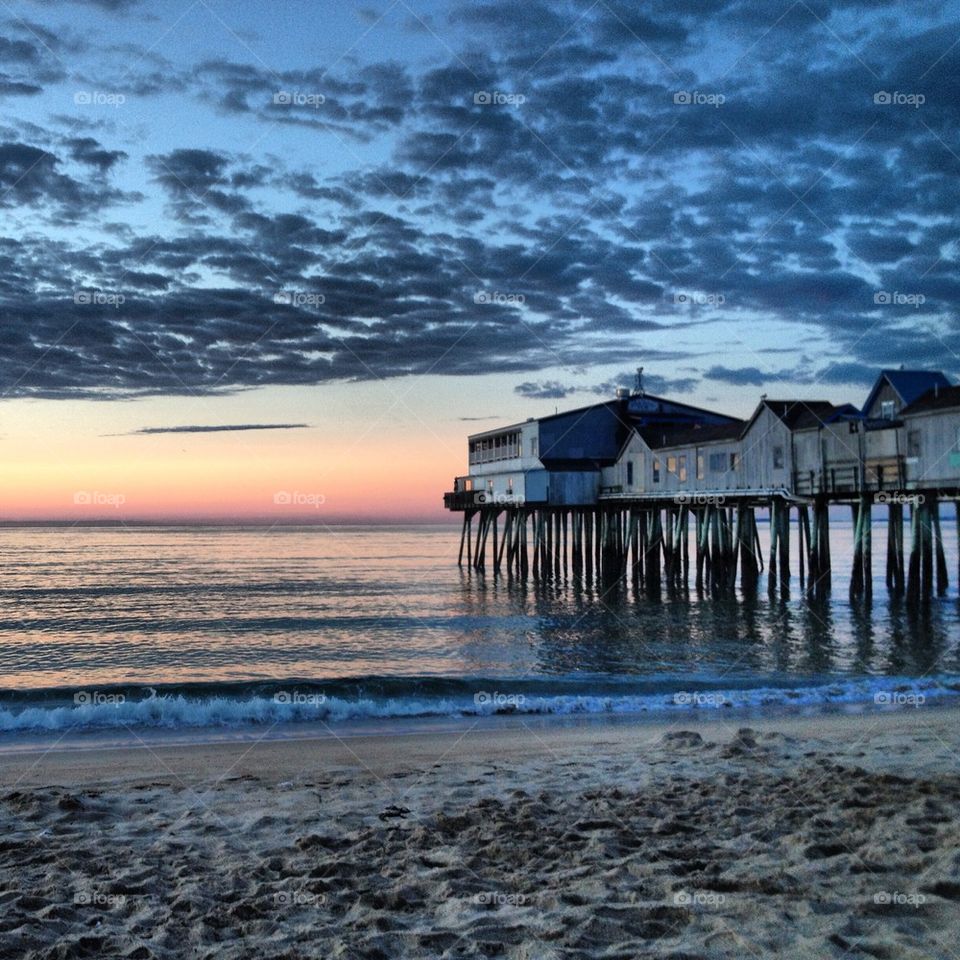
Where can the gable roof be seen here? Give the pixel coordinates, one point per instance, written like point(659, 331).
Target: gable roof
point(939, 398)
point(656, 437)
point(800, 414)
point(595, 435)
point(909, 385)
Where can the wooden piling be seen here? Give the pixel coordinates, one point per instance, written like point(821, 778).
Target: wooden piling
point(941, 558)
point(913, 572)
point(588, 527)
point(774, 534)
point(926, 557)
point(856, 574)
point(866, 512)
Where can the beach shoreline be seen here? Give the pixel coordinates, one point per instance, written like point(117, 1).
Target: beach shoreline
point(82, 757)
point(701, 836)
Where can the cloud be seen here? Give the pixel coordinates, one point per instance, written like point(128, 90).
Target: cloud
point(218, 428)
point(91, 152)
point(404, 225)
point(543, 390)
point(33, 177)
point(741, 377)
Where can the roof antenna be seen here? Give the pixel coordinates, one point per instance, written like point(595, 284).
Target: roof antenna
point(638, 385)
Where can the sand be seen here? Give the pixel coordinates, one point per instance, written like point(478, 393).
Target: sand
point(795, 837)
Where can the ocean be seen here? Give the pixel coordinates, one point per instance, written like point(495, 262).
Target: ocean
point(226, 627)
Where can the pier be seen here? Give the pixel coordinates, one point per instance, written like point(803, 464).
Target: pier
point(664, 495)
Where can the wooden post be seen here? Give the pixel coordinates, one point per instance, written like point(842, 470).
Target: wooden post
point(866, 513)
point(598, 541)
point(507, 530)
point(685, 543)
point(748, 555)
point(588, 542)
point(698, 526)
point(913, 573)
point(825, 576)
point(643, 546)
point(926, 557)
point(524, 560)
point(774, 533)
point(574, 544)
point(716, 551)
point(891, 571)
point(463, 535)
point(653, 552)
point(856, 574)
point(941, 558)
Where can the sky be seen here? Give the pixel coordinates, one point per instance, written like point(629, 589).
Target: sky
point(275, 261)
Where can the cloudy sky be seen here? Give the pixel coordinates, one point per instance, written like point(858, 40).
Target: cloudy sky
point(254, 253)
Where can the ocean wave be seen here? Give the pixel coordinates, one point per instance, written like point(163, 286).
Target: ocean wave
point(112, 709)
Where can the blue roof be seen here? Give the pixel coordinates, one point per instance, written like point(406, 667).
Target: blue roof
point(595, 435)
point(910, 385)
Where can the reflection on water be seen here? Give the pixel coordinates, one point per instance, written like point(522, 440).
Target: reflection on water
point(164, 605)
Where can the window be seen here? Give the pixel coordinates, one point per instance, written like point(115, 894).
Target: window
point(778, 458)
point(886, 410)
point(509, 484)
point(734, 461)
point(682, 469)
point(629, 473)
point(913, 443)
point(533, 446)
point(502, 447)
point(700, 473)
point(656, 470)
point(671, 464)
point(718, 462)
point(468, 483)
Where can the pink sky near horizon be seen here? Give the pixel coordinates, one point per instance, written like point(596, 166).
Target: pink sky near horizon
point(377, 451)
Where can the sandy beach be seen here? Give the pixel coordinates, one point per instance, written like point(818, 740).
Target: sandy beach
point(823, 836)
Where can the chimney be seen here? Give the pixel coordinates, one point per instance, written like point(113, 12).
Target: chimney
point(623, 393)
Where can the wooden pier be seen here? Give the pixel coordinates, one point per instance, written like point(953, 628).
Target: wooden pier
point(712, 543)
point(645, 488)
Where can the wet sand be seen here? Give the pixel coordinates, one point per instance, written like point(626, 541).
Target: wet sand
point(828, 836)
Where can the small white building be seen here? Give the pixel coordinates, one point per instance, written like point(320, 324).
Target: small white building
point(665, 461)
point(504, 466)
point(895, 390)
point(931, 439)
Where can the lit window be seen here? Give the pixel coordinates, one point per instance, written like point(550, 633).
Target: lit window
point(671, 464)
point(682, 471)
